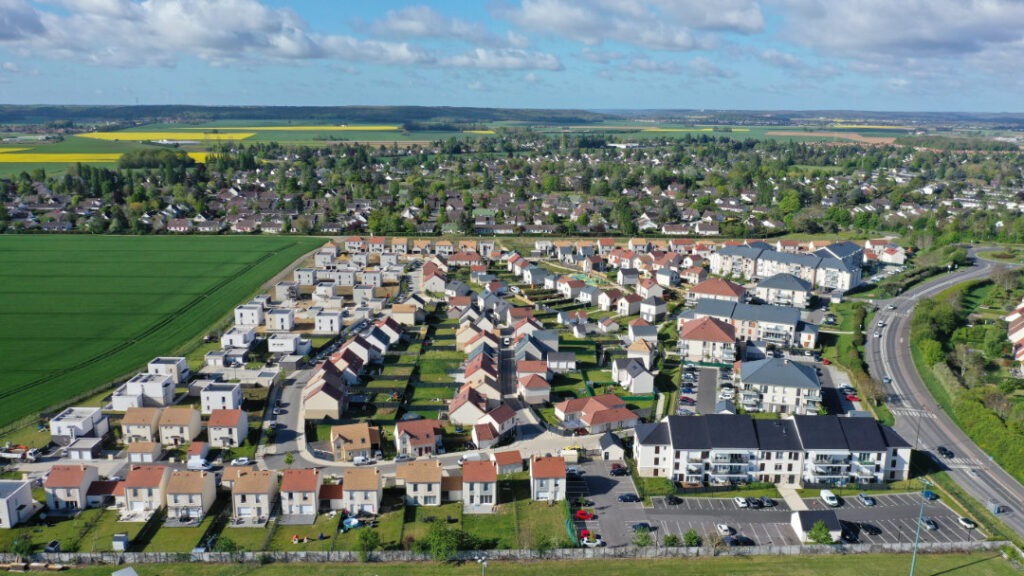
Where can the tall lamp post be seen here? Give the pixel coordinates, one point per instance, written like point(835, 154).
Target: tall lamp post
point(483, 565)
point(917, 534)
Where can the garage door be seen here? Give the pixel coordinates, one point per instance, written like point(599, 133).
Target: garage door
point(306, 510)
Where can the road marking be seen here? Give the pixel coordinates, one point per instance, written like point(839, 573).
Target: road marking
point(913, 412)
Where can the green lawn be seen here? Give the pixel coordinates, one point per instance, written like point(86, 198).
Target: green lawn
point(249, 539)
point(118, 301)
point(282, 539)
point(534, 519)
point(417, 518)
point(180, 539)
point(67, 530)
point(389, 526)
point(101, 537)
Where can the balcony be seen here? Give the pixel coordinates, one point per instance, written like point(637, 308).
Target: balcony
point(694, 468)
point(730, 459)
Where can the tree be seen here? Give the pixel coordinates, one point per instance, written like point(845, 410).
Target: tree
point(642, 538)
point(542, 544)
point(932, 352)
point(369, 540)
point(819, 534)
point(22, 546)
point(225, 544)
point(691, 538)
point(670, 541)
point(440, 542)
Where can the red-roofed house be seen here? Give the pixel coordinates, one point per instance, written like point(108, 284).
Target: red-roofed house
point(648, 287)
point(508, 462)
point(694, 275)
point(708, 340)
point(418, 437)
point(479, 487)
point(300, 490)
point(332, 497)
point(716, 289)
point(533, 389)
point(145, 491)
point(596, 413)
point(494, 426)
point(227, 428)
point(467, 407)
point(67, 487)
point(547, 478)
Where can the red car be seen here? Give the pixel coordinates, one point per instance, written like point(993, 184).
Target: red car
point(852, 398)
point(584, 515)
point(617, 466)
point(825, 361)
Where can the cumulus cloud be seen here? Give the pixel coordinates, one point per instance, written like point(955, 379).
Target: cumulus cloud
point(649, 65)
point(705, 68)
point(653, 24)
point(781, 59)
point(424, 21)
point(504, 59)
point(10, 67)
point(127, 33)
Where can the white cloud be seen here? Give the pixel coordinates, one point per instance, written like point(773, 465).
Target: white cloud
point(10, 67)
point(599, 56)
point(781, 59)
point(653, 24)
point(504, 59)
point(477, 86)
point(649, 65)
point(18, 20)
point(424, 21)
point(705, 68)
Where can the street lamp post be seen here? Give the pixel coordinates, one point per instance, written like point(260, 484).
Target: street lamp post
point(483, 565)
point(917, 534)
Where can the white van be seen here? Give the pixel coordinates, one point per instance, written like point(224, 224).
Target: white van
point(829, 498)
point(360, 460)
point(199, 464)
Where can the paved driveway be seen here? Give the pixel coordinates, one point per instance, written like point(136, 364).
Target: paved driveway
point(614, 519)
point(896, 516)
point(701, 514)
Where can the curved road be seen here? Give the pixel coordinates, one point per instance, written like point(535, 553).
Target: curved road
point(919, 419)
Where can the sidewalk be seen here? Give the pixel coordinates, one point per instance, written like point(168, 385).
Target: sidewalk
point(793, 500)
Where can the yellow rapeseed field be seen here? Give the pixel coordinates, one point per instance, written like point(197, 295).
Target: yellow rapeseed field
point(9, 150)
point(479, 131)
point(303, 128)
point(66, 158)
point(199, 156)
point(144, 136)
point(676, 130)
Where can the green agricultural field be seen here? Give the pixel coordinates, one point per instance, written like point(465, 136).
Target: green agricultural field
point(80, 311)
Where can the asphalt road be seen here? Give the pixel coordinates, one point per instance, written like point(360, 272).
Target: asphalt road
point(918, 417)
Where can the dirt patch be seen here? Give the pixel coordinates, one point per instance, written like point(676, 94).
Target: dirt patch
point(841, 135)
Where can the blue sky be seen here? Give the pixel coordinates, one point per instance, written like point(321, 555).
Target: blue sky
point(914, 55)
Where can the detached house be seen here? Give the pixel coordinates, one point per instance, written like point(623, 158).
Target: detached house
point(716, 289)
point(190, 495)
point(67, 487)
point(596, 413)
point(253, 495)
point(631, 375)
point(417, 438)
point(227, 428)
point(179, 425)
point(547, 478)
point(479, 487)
point(16, 503)
point(362, 490)
point(140, 425)
point(145, 491)
point(708, 340)
point(300, 492)
point(351, 440)
point(422, 481)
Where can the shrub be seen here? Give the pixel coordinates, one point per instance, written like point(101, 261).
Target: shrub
point(670, 540)
point(691, 538)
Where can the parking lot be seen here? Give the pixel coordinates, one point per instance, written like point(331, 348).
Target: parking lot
point(896, 516)
point(614, 519)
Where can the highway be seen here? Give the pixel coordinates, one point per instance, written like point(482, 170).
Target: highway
point(919, 419)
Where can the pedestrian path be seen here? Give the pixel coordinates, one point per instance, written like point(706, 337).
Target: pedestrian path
point(792, 498)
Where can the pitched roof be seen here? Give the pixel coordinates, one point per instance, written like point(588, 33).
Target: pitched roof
point(177, 416)
point(148, 476)
point(708, 329)
point(186, 482)
point(331, 492)
point(356, 436)
point(780, 372)
point(479, 471)
point(534, 382)
point(785, 282)
point(143, 447)
point(102, 488)
point(300, 480)
point(508, 458)
point(420, 432)
point(547, 467)
point(255, 482)
point(140, 416)
point(66, 476)
point(590, 404)
point(719, 287)
point(502, 413)
point(225, 418)
point(361, 479)
point(531, 366)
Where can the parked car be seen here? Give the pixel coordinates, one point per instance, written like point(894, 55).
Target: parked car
point(870, 529)
point(737, 541)
point(584, 515)
point(826, 361)
point(629, 497)
point(243, 461)
point(848, 536)
point(754, 503)
point(686, 390)
point(361, 460)
point(890, 307)
point(967, 523)
point(403, 458)
point(866, 499)
point(929, 524)
point(723, 529)
point(853, 398)
point(673, 500)
point(620, 472)
point(741, 502)
point(642, 526)
point(595, 542)
point(929, 495)
point(829, 498)
point(686, 400)
point(52, 547)
point(767, 502)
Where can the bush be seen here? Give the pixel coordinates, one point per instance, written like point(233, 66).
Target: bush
point(642, 538)
point(819, 534)
point(670, 541)
point(369, 540)
point(691, 538)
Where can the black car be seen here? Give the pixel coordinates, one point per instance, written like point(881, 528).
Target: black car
point(754, 502)
point(620, 472)
point(870, 529)
point(848, 537)
point(673, 500)
point(737, 541)
point(767, 502)
point(945, 452)
point(642, 526)
point(628, 498)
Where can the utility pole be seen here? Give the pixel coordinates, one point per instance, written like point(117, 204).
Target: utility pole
point(917, 534)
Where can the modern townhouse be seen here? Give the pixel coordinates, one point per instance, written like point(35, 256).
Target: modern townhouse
point(779, 385)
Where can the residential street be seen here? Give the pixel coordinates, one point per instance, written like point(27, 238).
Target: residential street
point(918, 417)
